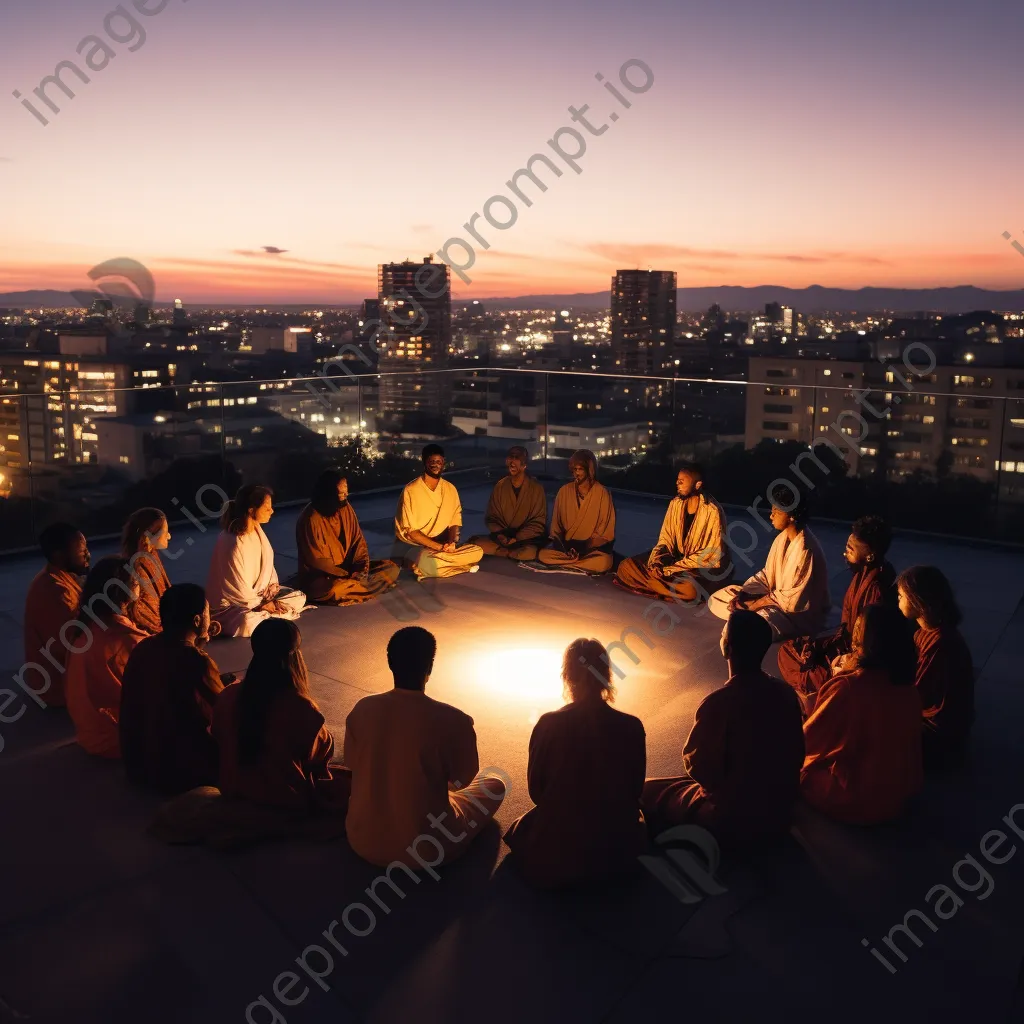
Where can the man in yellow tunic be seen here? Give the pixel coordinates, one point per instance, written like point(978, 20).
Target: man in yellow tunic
point(517, 513)
point(428, 522)
point(582, 523)
point(691, 559)
point(334, 560)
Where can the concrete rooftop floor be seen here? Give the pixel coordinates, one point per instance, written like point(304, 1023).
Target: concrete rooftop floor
point(100, 923)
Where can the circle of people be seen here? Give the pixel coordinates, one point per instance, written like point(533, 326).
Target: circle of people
point(856, 718)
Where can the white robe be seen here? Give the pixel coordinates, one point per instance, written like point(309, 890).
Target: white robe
point(795, 577)
point(241, 577)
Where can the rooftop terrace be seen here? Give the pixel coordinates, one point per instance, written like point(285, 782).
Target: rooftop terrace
point(101, 923)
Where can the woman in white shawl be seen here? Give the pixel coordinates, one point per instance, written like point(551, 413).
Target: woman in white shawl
point(242, 586)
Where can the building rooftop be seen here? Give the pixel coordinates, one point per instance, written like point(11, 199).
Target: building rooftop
point(102, 924)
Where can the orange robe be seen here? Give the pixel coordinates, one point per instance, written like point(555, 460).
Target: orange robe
point(742, 758)
point(293, 772)
point(153, 584)
point(167, 699)
point(945, 681)
point(575, 521)
point(586, 775)
point(94, 685)
point(51, 603)
point(805, 663)
point(863, 744)
point(411, 758)
point(333, 556)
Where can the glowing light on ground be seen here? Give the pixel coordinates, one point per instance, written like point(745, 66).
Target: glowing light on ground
point(532, 675)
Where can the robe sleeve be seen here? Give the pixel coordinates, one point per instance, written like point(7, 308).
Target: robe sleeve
point(403, 515)
point(605, 526)
point(537, 769)
point(457, 513)
point(704, 753)
point(558, 516)
point(309, 542)
point(494, 520)
point(361, 555)
point(210, 684)
point(464, 760)
point(537, 516)
point(664, 546)
point(145, 610)
point(236, 588)
point(825, 730)
point(710, 555)
point(932, 676)
point(790, 588)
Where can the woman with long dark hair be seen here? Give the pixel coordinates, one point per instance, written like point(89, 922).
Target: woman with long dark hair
point(275, 748)
point(863, 741)
point(98, 652)
point(145, 535)
point(242, 585)
point(586, 774)
point(945, 670)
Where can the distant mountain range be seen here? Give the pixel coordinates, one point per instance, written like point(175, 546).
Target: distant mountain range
point(816, 299)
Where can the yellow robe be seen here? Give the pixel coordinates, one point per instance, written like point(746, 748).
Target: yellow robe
point(433, 513)
point(574, 522)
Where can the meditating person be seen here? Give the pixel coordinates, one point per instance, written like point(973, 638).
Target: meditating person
point(334, 559)
point(791, 592)
point(744, 753)
point(691, 559)
point(585, 775)
point(517, 512)
point(275, 748)
point(417, 788)
point(145, 535)
point(99, 654)
point(863, 741)
point(945, 670)
point(242, 584)
point(167, 698)
point(582, 523)
point(806, 663)
point(51, 603)
point(428, 523)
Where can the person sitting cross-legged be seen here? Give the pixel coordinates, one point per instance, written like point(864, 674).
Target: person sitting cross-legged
point(167, 698)
point(744, 753)
point(585, 775)
point(806, 663)
point(334, 559)
point(517, 512)
point(145, 535)
point(791, 592)
point(863, 758)
point(582, 523)
point(691, 559)
point(417, 789)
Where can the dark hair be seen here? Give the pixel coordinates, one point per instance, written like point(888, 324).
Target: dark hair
point(411, 652)
point(276, 667)
point(180, 604)
point(793, 501)
point(140, 524)
point(873, 531)
point(238, 511)
point(57, 537)
point(112, 570)
point(517, 451)
point(325, 491)
point(432, 449)
point(587, 670)
point(749, 636)
point(930, 594)
point(587, 458)
point(888, 644)
point(695, 469)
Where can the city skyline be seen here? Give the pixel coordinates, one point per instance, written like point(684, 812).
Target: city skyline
point(244, 160)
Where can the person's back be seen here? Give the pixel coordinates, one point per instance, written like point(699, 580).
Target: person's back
point(945, 681)
point(586, 775)
point(166, 712)
point(863, 743)
point(403, 749)
point(296, 747)
point(748, 763)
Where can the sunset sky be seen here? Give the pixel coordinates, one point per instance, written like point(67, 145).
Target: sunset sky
point(802, 142)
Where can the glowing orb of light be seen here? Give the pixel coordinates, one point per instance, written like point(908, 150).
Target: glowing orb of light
point(532, 675)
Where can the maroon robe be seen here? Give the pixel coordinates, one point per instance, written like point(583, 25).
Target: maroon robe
point(945, 682)
point(742, 758)
point(585, 775)
point(167, 699)
point(805, 663)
